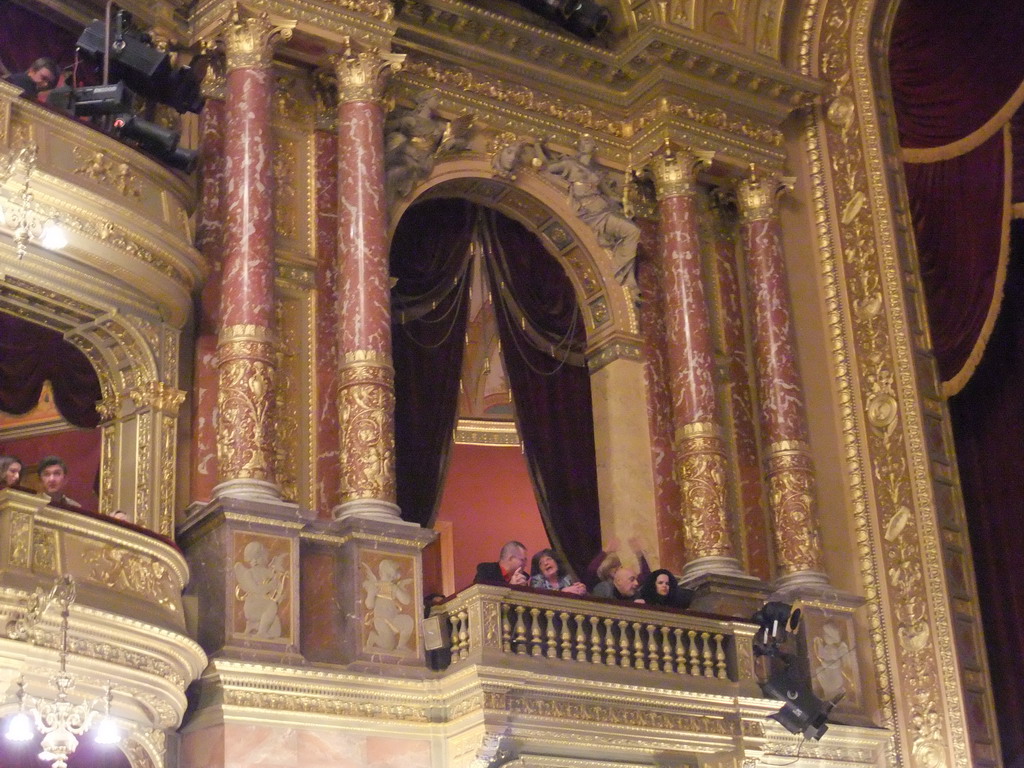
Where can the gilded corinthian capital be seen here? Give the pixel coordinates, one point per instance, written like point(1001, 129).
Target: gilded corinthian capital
point(675, 173)
point(757, 195)
point(362, 76)
point(249, 42)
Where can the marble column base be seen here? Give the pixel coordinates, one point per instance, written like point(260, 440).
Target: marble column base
point(701, 566)
point(802, 582)
point(247, 488)
point(369, 509)
point(727, 594)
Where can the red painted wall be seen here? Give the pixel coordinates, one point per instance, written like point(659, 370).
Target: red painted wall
point(80, 449)
point(489, 500)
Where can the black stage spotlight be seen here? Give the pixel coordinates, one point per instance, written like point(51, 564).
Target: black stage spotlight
point(584, 18)
point(142, 67)
point(91, 100)
point(775, 619)
point(150, 136)
point(803, 712)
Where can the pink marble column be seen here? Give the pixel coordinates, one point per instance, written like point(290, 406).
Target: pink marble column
point(328, 467)
point(792, 492)
point(246, 361)
point(366, 385)
point(210, 242)
point(700, 451)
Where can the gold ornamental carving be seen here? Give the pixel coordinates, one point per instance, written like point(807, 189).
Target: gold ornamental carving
point(158, 396)
point(21, 540)
point(246, 332)
point(366, 407)
point(791, 497)
point(362, 76)
point(124, 571)
point(245, 432)
point(249, 42)
point(702, 473)
point(327, 705)
point(757, 195)
point(675, 173)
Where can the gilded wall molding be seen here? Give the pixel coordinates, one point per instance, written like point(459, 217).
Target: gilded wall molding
point(911, 626)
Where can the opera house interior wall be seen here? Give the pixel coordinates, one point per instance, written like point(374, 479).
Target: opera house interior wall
point(321, 302)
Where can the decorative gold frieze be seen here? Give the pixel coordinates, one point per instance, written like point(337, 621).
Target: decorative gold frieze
point(327, 705)
point(615, 350)
point(249, 42)
point(366, 407)
point(362, 76)
point(97, 166)
point(21, 540)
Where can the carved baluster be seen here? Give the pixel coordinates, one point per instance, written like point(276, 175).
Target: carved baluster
point(624, 660)
point(652, 648)
point(563, 617)
point(638, 646)
point(694, 655)
point(463, 633)
point(721, 674)
point(550, 637)
point(595, 641)
point(520, 638)
point(506, 629)
point(453, 619)
point(581, 638)
point(666, 650)
point(535, 647)
point(609, 643)
point(708, 662)
point(680, 652)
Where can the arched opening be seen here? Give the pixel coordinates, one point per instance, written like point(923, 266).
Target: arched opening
point(48, 396)
point(437, 248)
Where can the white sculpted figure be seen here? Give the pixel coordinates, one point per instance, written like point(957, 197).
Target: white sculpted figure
point(387, 596)
point(593, 197)
point(261, 588)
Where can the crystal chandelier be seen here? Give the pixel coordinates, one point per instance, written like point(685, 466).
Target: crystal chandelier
point(59, 720)
point(22, 217)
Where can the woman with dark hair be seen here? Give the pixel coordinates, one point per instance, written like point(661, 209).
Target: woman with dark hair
point(10, 471)
point(549, 572)
point(662, 588)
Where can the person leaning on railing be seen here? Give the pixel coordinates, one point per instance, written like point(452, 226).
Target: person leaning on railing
point(662, 588)
point(550, 572)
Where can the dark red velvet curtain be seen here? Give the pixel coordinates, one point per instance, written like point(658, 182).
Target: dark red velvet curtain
point(954, 67)
point(988, 425)
point(25, 36)
point(31, 355)
point(552, 397)
point(957, 207)
point(429, 256)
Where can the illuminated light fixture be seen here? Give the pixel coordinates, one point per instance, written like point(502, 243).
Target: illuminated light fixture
point(23, 218)
point(59, 720)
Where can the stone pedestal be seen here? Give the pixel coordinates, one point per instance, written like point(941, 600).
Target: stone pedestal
point(244, 559)
point(365, 578)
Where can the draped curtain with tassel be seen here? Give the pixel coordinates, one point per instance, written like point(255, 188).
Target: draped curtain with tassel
point(542, 339)
point(957, 73)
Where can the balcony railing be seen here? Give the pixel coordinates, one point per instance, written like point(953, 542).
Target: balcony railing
point(485, 624)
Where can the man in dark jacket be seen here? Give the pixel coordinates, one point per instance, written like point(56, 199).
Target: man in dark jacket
point(41, 76)
point(509, 570)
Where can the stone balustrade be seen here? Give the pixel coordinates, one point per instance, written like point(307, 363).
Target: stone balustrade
point(484, 622)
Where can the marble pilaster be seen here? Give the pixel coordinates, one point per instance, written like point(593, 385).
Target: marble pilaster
point(792, 491)
point(328, 466)
point(365, 387)
point(700, 452)
point(246, 354)
point(210, 242)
